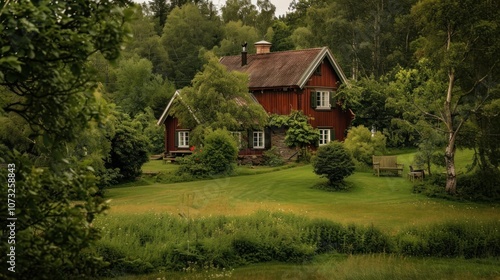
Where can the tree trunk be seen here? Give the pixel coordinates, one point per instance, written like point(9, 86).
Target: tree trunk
point(451, 175)
point(449, 155)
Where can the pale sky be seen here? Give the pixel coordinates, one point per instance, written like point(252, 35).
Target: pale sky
point(281, 5)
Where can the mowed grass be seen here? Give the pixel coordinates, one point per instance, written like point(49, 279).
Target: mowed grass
point(386, 202)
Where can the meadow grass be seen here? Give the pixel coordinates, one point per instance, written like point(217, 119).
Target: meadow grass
point(386, 203)
point(349, 267)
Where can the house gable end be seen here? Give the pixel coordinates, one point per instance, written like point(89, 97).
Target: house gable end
point(324, 53)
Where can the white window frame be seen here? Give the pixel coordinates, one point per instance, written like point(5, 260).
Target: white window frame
point(183, 140)
point(324, 136)
point(237, 137)
point(258, 140)
point(323, 99)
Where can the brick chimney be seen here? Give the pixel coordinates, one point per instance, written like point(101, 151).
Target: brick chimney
point(244, 54)
point(263, 47)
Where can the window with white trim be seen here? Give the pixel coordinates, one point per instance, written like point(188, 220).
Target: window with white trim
point(258, 139)
point(323, 99)
point(324, 136)
point(183, 139)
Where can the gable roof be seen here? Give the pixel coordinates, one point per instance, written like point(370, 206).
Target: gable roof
point(165, 114)
point(282, 69)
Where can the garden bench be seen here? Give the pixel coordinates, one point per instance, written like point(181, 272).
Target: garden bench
point(387, 164)
point(416, 174)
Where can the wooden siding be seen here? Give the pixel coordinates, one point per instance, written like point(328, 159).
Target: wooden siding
point(277, 102)
point(171, 126)
point(328, 77)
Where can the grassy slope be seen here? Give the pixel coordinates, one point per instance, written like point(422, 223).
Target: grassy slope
point(383, 201)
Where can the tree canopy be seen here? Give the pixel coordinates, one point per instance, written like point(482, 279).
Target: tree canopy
point(219, 99)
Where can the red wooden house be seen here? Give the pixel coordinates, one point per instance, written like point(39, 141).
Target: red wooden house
point(303, 80)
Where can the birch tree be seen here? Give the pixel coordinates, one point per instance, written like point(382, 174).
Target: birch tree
point(459, 48)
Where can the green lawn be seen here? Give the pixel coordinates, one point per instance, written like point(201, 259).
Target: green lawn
point(386, 202)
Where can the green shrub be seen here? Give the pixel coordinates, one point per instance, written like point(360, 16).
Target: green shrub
point(128, 150)
point(481, 185)
point(220, 152)
point(217, 156)
point(272, 157)
point(334, 162)
point(362, 145)
point(192, 166)
point(453, 239)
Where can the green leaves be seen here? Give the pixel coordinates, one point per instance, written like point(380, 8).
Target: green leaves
point(300, 132)
point(219, 99)
point(334, 162)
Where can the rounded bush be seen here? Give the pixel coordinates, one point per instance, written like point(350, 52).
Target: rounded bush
point(334, 162)
point(363, 145)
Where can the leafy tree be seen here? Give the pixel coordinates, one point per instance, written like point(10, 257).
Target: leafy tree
point(160, 9)
point(218, 99)
point(363, 145)
point(334, 162)
point(235, 33)
point(462, 69)
point(146, 43)
point(265, 18)
point(45, 80)
point(488, 123)
point(154, 133)
point(137, 87)
point(282, 40)
point(129, 149)
point(46, 76)
point(186, 32)
point(429, 147)
point(239, 10)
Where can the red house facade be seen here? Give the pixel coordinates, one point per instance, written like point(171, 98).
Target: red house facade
point(281, 82)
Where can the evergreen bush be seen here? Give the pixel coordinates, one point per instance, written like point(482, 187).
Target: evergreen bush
point(334, 162)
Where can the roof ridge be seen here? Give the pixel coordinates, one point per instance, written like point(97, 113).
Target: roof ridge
point(309, 49)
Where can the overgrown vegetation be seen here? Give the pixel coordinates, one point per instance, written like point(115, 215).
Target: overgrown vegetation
point(152, 242)
point(480, 185)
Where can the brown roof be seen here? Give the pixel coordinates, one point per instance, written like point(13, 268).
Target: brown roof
point(281, 69)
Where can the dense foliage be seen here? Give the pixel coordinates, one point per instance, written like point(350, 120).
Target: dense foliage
point(225, 242)
point(300, 132)
point(218, 99)
point(363, 145)
point(215, 156)
point(48, 99)
point(128, 150)
point(334, 162)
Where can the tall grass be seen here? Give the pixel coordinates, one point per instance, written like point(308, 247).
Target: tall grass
point(156, 242)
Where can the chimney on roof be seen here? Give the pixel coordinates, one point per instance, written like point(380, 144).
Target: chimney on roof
point(244, 54)
point(263, 47)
